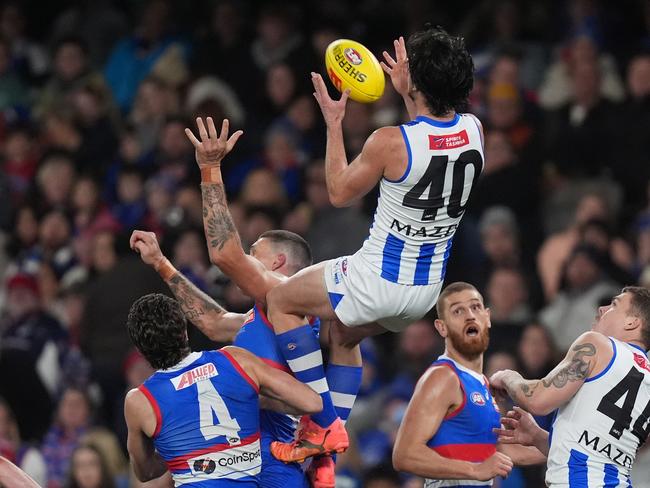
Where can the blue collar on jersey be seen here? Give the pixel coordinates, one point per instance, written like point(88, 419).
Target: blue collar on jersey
point(437, 123)
point(638, 347)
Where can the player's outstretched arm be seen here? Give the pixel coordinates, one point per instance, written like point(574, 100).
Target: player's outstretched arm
point(278, 385)
point(141, 424)
point(224, 245)
point(398, 70)
point(211, 318)
point(347, 183)
point(11, 476)
point(587, 356)
point(434, 396)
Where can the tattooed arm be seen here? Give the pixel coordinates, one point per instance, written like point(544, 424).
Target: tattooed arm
point(213, 320)
point(587, 356)
point(224, 245)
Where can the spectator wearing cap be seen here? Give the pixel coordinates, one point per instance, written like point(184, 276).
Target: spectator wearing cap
point(32, 352)
point(584, 288)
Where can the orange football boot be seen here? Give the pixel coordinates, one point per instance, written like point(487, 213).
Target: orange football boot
point(322, 472)
point(312, 440)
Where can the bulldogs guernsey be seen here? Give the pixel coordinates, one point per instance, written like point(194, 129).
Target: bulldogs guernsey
point(466, 433)
point(258, 337)
point(207, 414)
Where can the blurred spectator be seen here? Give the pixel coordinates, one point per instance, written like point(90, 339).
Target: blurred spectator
point(12, 90)
point(632, 169)
point(130, 208)
point(190, 257)
point(618, 256)
point(277, 39)
point(55, 178)
point(383, 476)
point(556, 248)
point(53, 246)
point(584, 289)
point(227, 38)
point(20, 155)
point(586, 117)
point(507, 297)
point(24, 455)
point(262, 188)
point(150, 50)
point(73, 418)
point(27, 55)
point(316, 218)
point(108, 446)
point(558, 89)
point(88, 469)
point(35, 344)
point(155, 101)
point(536, 353)
point(71, 71)
point(499, 360)
point(24, 233)
point(99, 23)
point(174, 156)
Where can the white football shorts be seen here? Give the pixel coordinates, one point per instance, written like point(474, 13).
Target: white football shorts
point(359, 295)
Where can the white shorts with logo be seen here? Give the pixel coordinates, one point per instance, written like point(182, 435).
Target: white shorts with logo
point(359, 295)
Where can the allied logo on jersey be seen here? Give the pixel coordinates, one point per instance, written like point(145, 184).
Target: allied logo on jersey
point(192, 376)
point(477, 399)
point(353, 56)
point(448, 141)
point(641, 361)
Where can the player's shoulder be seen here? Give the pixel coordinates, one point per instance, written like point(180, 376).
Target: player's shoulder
point(441, 376)
point(385, 137)
point(592, 338)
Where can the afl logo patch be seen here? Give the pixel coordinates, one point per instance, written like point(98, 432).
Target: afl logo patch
point(344, 267)
point(477, 399)
point(353, 56)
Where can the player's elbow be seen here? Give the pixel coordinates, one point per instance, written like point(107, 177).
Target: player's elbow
point(314, 404)
point(338, 200)
point(401, 459)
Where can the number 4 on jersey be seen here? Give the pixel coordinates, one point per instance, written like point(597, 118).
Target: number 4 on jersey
point(211, 405)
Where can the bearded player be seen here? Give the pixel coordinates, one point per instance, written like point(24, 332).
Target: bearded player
point(447, 435)
point(602, 392)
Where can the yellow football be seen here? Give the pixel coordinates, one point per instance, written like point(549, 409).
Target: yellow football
point(351, 65)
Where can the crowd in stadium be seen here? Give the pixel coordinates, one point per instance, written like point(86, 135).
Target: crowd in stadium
point(94, 100)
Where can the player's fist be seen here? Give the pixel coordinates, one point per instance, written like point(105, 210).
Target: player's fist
point(146, 245)
point(498, 464)
point(212, 148)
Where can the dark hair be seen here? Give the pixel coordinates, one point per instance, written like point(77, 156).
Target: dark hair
point(455, 287)
point(640, 307)
point(106, 479)
point(441, 69)
point(74, 40)
point(158, 329)
point(297, 250)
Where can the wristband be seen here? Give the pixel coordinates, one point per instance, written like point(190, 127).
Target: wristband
point(166, 270)
point(211, 174)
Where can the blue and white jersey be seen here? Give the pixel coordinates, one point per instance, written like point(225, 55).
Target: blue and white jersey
point(208, 427)
point(417, 215)
point(466, 433)
point(595, 436)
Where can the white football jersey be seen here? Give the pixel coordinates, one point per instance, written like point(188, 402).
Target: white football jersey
point(594, 438)
point(418, 214)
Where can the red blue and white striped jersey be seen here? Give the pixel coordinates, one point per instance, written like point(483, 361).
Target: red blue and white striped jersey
point(418, 214)
point(208, 428)
point(466, 433)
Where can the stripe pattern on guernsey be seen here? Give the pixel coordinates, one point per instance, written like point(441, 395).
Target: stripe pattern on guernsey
point(418, 214)
point(215, 436)
point(466, 433)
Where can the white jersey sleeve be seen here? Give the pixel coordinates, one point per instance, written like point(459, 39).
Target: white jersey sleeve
point(595, 437)
point(417, 215)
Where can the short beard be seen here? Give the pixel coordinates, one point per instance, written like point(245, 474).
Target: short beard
point(470, 348)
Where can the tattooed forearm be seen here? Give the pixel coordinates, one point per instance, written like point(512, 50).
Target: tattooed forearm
point(576, 370)
point(219, 227)
point(194, 303)
point(528, 387)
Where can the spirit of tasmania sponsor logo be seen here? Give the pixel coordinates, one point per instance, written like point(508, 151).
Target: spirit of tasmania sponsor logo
point(448, 141)
point(190, 377)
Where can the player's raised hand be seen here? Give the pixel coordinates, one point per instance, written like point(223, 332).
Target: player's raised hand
point(146, 245)
point(519, 428)
point(397, 68)
point(333, 110)
point(212, 148)
point(498, 464)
